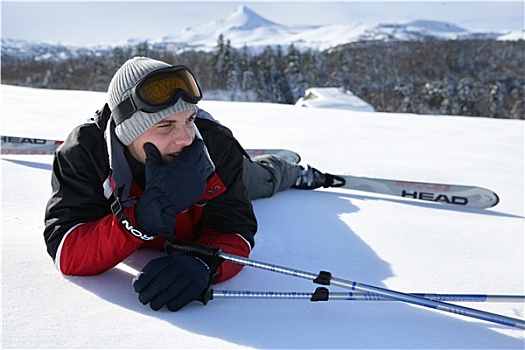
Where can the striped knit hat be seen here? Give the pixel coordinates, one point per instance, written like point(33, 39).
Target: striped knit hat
point(119, 88)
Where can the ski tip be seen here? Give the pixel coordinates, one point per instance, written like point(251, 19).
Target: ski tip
point(496, 200)
point(491, 199)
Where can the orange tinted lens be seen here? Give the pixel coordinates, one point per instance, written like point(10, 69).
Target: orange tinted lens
point(161, 88)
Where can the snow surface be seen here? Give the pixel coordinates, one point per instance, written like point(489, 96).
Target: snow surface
point(388, 242)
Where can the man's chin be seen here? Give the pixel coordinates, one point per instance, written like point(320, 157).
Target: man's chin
point(169, 157)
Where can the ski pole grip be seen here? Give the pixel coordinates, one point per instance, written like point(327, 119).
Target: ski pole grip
point(193, 248)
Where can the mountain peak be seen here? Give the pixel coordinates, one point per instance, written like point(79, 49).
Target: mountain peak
point(245, 18)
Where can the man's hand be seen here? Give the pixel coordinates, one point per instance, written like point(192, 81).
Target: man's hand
point(173, 280)
point(170, 188)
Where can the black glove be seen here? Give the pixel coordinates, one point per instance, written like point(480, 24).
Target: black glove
point(171, 188)
point(173, 280)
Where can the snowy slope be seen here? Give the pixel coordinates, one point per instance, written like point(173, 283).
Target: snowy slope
point(388, 242)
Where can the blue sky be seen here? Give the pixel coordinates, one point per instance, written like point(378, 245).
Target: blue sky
point(90, 22)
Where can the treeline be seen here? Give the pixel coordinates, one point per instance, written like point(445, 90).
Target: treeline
point(471, 77)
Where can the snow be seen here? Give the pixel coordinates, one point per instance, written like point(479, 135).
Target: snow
point(388, 242)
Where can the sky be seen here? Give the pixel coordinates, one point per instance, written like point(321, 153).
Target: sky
point(91, 22)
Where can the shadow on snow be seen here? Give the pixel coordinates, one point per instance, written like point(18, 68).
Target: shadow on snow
point(302, 230)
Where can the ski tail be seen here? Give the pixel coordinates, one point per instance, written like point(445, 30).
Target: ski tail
point(287, 155)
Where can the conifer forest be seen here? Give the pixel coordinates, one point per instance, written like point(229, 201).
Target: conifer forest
point(479, 78)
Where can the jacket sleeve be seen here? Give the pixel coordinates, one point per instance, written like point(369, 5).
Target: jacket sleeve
point(82, 235)
point(228, 219)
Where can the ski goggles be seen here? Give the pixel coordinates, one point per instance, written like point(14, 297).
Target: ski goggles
point(158, 90)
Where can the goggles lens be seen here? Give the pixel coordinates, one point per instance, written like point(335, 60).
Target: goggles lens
point(159, 90)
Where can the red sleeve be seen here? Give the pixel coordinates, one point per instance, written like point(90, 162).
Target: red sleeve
point(231, 244)
point(97, 246)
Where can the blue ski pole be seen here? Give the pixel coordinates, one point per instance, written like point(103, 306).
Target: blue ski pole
point(323, 294)
point(326, 278)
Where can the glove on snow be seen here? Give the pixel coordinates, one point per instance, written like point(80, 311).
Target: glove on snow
point(173, 280)
point(171, 188)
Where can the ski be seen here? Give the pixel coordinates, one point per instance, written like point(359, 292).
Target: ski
point(462, 195)
point(287, 155)
point(468, 196)
point(26, 145)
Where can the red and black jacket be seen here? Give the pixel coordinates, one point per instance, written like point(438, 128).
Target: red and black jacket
point(84, 237)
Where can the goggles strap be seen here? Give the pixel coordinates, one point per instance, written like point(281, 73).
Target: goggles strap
point(123, 111)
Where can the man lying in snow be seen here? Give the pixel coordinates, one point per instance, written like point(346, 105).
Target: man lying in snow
point(152, 166)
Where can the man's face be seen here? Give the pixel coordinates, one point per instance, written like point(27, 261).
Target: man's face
point(170, 136)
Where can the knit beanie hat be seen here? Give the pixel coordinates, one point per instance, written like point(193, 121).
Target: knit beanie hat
point(119, 88)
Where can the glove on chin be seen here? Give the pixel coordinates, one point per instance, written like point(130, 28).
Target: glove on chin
point(174, 281)
point(171, 188)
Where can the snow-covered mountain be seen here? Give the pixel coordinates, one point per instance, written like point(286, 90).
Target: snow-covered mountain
point(246, 27)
